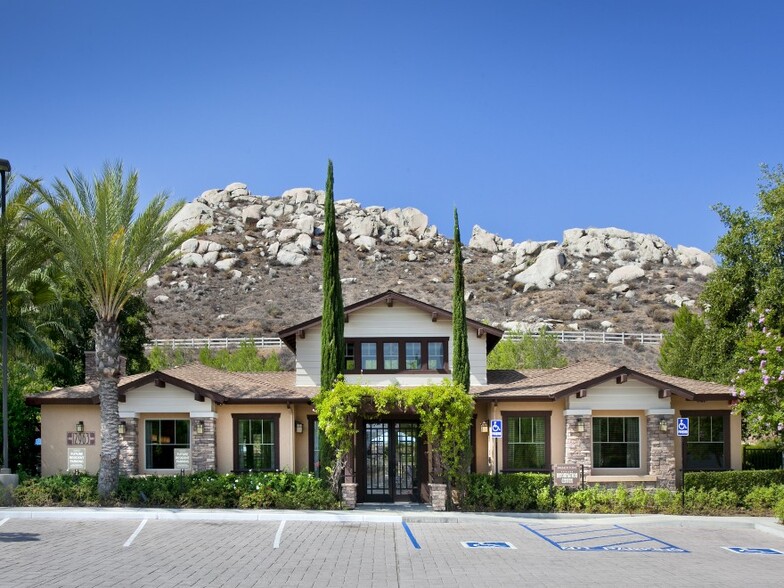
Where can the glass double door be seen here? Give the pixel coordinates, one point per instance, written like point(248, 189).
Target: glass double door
point(392, 451)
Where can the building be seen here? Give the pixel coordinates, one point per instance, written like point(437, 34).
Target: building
point(617, 422)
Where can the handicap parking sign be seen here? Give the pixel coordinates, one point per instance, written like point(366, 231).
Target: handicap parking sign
point(683, 427)
point(488, 545)
point(495, 429)
point(755, 550)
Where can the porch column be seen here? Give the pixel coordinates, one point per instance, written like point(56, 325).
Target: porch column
point(661, 446)
point(203, 444)
point(578, 437)
point(348, 489)
point(129, 445)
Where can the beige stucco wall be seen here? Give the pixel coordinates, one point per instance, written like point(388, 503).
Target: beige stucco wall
point(487, 411)
point(736, 439)
point(287, 438)
point(56, 421)
point(399, 321)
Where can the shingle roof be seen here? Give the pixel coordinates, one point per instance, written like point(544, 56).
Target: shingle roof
point(557, 382)
point(221, 386)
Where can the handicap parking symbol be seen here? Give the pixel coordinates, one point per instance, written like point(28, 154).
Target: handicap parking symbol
point(755, 550)
point(495, 429)
point(683, 427)
point(488, 545)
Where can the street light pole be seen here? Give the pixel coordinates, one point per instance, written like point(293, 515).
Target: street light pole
point(5, 168)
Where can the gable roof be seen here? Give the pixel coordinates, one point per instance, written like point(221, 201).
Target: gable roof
point(493, 334)
point(556, 383)
point(202, 381)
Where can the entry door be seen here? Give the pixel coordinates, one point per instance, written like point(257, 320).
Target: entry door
point(391, 461)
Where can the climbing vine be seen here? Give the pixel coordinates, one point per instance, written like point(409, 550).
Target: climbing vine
point(444, 411)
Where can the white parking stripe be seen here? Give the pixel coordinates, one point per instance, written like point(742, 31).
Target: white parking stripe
point(276, 543)
point(135, 533)
point(4, 521)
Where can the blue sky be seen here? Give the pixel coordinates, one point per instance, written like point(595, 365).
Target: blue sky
point(530, 116)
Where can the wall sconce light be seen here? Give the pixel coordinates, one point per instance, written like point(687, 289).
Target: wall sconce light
point(663, 425)
point(80, 427)
point(298, 427)
point(484, 427)
point(121, 428)
point(580, 426)
point(200, 427)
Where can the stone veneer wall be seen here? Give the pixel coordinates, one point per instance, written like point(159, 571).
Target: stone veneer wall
point(129, 448)
point(203, 446)
point(578, 445)
point(661, 450)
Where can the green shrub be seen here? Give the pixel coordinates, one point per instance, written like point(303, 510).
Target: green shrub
point(763, 499)
point(199, 490)
point(779, 511)
point(739, 482)
point(505, 492)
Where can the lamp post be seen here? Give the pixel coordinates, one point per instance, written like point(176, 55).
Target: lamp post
point(5, 168)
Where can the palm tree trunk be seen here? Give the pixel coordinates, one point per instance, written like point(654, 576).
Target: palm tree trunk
point(107, 358)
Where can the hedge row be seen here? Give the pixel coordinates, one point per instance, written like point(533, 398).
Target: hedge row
point(200, 490)
point(748, 492)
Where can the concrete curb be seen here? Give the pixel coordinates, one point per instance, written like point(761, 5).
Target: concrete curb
point(385, 515)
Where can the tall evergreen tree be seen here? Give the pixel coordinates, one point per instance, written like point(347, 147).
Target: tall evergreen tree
point(461, 369)
point(333, 355)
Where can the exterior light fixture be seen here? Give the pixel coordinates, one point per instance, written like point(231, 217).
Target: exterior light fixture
point(121, 428)
point(298, 427)
point(484, 427)
point(663, 425)
point(580, 426)
point(80, 427)
point(200, 427)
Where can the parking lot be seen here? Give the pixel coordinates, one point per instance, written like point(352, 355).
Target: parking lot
point(513, 551)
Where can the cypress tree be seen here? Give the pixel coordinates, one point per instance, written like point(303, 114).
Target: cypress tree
point(333, 354)
point(461, 369)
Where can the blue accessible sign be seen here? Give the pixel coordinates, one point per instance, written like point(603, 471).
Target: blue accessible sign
point(495, 429)
point(683, 427)
point(755, 550)
point(488, 545)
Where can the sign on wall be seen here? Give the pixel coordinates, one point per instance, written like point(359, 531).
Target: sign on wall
point(567, 474)
point(683, 427)
point(74, 438)
point(182, 458)
point(77, 459)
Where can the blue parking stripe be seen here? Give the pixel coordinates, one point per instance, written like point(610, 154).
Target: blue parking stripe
point(577, 541)
point(414, 542)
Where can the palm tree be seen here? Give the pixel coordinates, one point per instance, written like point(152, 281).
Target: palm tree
point(110, 252)
point(35, 287)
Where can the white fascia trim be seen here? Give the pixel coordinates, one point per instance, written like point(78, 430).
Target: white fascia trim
point(204, 415)
point(129, 415)
point(578, 412)
point(660, 411)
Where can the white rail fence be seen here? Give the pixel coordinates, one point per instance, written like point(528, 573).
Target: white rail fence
point(275, 342)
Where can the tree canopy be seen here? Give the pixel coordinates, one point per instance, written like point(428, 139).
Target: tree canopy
point(524, 351)
point(750, 275)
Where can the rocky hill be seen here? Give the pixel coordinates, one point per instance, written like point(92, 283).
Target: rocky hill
point(257, 269)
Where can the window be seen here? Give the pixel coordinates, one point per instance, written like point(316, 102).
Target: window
point(527, 438)
point(368, 357)
point(391, 356)
point(315, 443)
point(256, 442)
point(161, 438)
point(350, 361)
point(413, 355)
point(435, 355)
point(385, 356)
point(707, 446)
point(616, 442)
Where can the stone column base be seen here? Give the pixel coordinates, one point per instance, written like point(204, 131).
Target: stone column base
point(438, 496)
point(348, 492)
point(8, 482)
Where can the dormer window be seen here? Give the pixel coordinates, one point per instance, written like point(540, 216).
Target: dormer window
point(390, 356)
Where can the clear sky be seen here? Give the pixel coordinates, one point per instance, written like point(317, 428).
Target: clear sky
point(530, 116)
